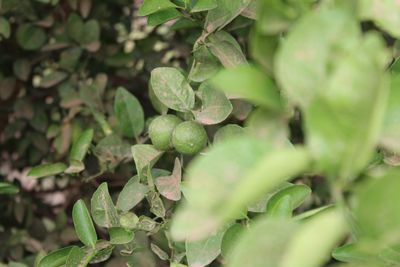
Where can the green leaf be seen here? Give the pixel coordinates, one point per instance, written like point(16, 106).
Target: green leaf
point(145, 156)
point(5, 29)
point(102, 251)
point(293, 195)
point(129, 113)
point(75, 166)
point(224, 13)
point(313, 212)
point(48, 169)
point(56, 258)
point(128, 220)
point(351, 253)
point(320, 235)
point(112, 148)
point(172, 89)
point(200, 253)
point(103, 209)
point(215, 106)
point(7, 188)
point(91, 96)
point(156, 204)
point(169, 186)
point(262, 50)
point(251, 10)
point(233, 175)
point(52, 78)
point(342, 123)
point(203, 5)
point(390, 135)
point(260, 205)
point(378, 196)
point(389, 256)
point(386, 14)
point(102, 121)
point(281, 208)
point(132, 193)
point(90, 32)
point(30, 37)
point(146, 224)
point(276, 16)
point(250, 83)
point(84, 227)
point(73, 26)
point(79, 257)
point(228, 131)
point(81, 32)
point(302, 61)
point(231, 238)
point(263, 244)
point(160, 107)
point(163, 16)
point(285, 243)
point(81, 146)
point(159, 252)
point(7, 87)
point(226, 49)
point(152, 6)
point(70, 58)
point(204, 66)
point(269, 126)
point(119, 235)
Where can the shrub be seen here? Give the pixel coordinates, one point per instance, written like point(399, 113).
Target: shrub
point(277, 120)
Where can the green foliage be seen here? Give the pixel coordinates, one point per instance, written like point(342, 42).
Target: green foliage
point(129, 113)
point(83, 224)
point(202, 132)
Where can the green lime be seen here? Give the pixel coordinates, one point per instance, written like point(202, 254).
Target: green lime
point(189, 138)
point(160, 130)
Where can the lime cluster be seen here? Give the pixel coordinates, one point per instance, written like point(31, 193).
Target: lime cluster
point(168, 131)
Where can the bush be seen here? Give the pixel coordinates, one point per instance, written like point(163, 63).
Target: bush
point(277, 120)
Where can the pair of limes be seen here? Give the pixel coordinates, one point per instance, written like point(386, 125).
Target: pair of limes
point(168, 131)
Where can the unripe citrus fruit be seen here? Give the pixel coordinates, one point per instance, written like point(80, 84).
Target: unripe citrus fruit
point(189, 138)
point(160, 130)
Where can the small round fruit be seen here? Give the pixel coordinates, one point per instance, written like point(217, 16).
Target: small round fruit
point(189, 138)
point(160, 130)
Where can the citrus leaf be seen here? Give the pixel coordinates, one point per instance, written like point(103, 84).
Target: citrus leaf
point(169, 186)
point(84, 227)
point(224, 13)
point(145, 156)
point(215, 105)
point(79, 257)
point(203, 5)
point(129, 113)
point(56, 258)
point(250, 83)
point(119, 235)
point(200, 253)
point(163, 16)
point(172, 89)
point(233, 175)
point(47, 170)
point(30, 37)
point(132, 193)
point(152, 6)
point(103, 209)
point(7, 188)
point(81, 146)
